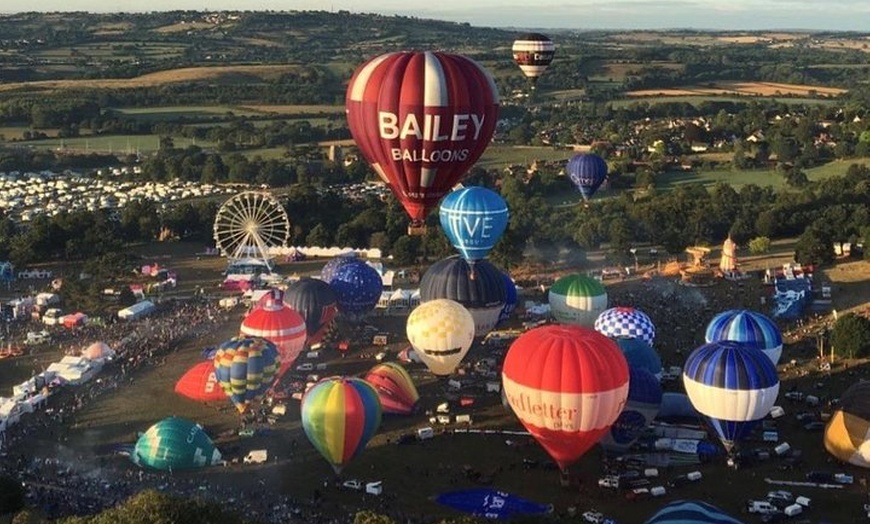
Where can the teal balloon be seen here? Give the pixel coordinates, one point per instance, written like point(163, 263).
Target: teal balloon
point(175, 443)
point(474, 219)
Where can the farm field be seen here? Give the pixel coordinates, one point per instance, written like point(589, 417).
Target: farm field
point(742, 88)
point(500, 156)
point(413, 474)
point(764, 177)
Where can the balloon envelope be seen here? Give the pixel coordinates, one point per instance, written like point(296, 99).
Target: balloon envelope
point(339, 416)
point(473, 218)
point(626, 322)
point(510, 299)
point(316, 302)
point(395, 388)
point(479, 288)
point(567, 385)
point(200, 383)
point(743, 325)
point(422, 120)
point(641, 355)
point(533, 52)
point(577, 299)
point(357, 288)
point(245, 368)
point(644, 400)
point(847, 435)
point(441, 332)
point(328, 270)
point(587, 172)
point(175, 443)
point(491, 504)
point(280, 325)
point(733, 384)
point(691, 512)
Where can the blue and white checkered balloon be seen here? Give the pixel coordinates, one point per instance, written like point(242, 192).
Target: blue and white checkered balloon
point(626, 322)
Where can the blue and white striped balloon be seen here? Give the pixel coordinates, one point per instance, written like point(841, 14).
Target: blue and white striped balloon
point(691, 512)
point(733, 384)
point(473, 218)
point(743, 325)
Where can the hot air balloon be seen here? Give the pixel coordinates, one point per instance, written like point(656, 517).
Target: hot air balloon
point(480, 289)
point(357, 288)
point(395, 388)
point(640, 355)
point(510, 299)
point(567, 384)
point(280, 325)
point(691, 512)
point(316, 302)
point(644, 400)
point(328, 270)
point(847, 435)
point(533, 52)
point(733, 384)
point(422, 120)
point(441, 332)
point(473, 218)
point(577, 299)
point(245, 368)
point(743, 325)
point(587, 172)
point(626, 322)
point(175, 443)
point(200, 383)
point(339, 416)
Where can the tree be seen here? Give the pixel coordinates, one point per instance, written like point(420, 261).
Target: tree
point(370, 517)
point(759, 245)
point(851, 336)
point(813, 247)
point(153, 507)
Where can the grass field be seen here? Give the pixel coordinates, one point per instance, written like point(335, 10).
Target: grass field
point(697, 100)
point(742, 88)
point(500, 156)
point(119, 144)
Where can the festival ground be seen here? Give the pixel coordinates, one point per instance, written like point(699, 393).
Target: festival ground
point(413, 473)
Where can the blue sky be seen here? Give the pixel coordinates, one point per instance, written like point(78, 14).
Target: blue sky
point(851, 15)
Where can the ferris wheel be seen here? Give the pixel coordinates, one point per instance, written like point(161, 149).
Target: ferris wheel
point(249, 224)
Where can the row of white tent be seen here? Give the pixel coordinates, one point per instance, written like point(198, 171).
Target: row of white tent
point(33, 392)
point(399, 299)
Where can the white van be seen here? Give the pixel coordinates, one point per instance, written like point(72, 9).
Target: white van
point(761, 506)
point(425, 433)
point(305, 367)
point(257, 456)
point(794, 509)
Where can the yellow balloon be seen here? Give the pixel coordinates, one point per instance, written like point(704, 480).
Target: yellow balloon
point(441, 332)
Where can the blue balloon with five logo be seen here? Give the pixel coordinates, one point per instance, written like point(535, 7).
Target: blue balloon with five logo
point(473, 218)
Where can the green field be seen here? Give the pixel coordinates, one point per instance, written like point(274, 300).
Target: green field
point(697, 100)
point(761, 177)
point(180, 113)
point(499, 156)
point(119, 144)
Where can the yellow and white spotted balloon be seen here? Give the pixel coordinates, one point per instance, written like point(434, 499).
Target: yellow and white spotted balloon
point(441, 332)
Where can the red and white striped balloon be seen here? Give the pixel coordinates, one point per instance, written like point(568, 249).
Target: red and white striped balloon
point(421, 119)
point(279, 324)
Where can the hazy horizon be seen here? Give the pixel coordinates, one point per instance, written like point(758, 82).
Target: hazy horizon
point(736, 15)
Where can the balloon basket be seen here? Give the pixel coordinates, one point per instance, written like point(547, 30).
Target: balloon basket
point(416, 230)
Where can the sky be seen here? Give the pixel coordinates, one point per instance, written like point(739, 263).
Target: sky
point(828, 15)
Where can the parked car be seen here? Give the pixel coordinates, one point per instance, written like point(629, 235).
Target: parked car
point(780, 497)
point(352, 484)
point(593, 517)
point(814, 426)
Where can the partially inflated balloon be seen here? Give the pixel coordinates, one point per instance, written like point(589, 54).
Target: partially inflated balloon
point(473, 218)
point(691, 512)
point(175, 443)
point(640, 355)
point(644, 400)
point(441, 332)
point(422, 120)
point(339, 416)
point(245, 368)
point(200, 383)
point(511, 298)
point(395, 388)
point(567, 385)
point(847, 435)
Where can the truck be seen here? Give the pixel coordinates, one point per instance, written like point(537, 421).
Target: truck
point(762, 507)
point(257, 456)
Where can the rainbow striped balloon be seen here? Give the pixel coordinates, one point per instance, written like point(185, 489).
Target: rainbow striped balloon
point(395, 388)
point(245, 368)
point(339, 416)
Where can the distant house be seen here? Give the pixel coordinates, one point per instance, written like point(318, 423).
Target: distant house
point(699, 147)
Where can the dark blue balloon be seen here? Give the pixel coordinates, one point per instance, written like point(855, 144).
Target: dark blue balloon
point(641, 407)
point(473, 218)
point(334, 263)
point(510, 298)
point(357, 288)
point(587, 172)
